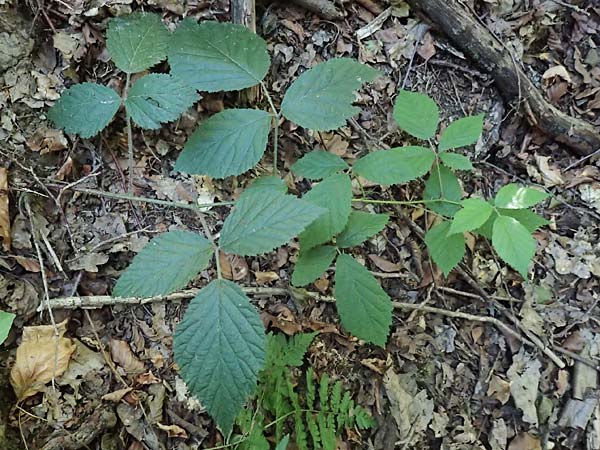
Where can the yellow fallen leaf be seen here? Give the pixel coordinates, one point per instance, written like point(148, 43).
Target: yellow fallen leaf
point(40, 358)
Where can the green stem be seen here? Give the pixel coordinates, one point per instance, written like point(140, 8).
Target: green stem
point(276, 127)
point(285, 416)
point(403, 202)
point(129, 138)
point(155, 201)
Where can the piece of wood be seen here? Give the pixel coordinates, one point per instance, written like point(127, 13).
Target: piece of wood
point(493, 57)
point(323, 8)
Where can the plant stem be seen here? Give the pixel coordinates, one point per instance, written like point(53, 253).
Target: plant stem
point(133, 198)
point(403, 202)
point(129, 138)
point(276, 128)
point(218, 262)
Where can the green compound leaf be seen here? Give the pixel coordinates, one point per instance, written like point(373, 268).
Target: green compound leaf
point(514, 196)
point(85, 109)
point(321, 98)
point(442, 184)
point(220, 348)
point(283, 444)
point(265, 184)
point(158, 98)
point(6, 320)
point(167, 263)
point(417, 114)
point(137, 42)
point(318, 164)
point(456, 161)
point(228, 143)
point(446, 251)
point(312, 263)
point(474, 213)
point(335, 194)
point(395, 166)
point(360, 227)
point(213, 56)
point(282, 352)
point(263, 220)
point(530, 220)
point(514, 243)
point(461, 132)
point(364, 307)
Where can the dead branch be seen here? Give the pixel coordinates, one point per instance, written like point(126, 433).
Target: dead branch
point(494, 57)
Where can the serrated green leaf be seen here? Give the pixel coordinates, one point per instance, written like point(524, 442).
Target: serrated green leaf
point(335, 194)
point(167, 263)
point(514, 196)
point(365, 309)
point(137, 41)
point(312, 263)
point(158, 98)
point(360, 227)
point(395, 166)
point(262, 221)
point(219, 347)
point(474, 213)
point(282, 352)
point(514, 243)
point(530, 220)
point(321, 98)
point(6, 320)
point(446, 251)
point(266, 184)
point(85, 109)
point(318, 164)
point(456, 161)
point(228, 143)
point(442, 184)
point(214, 56)
point(417, 114)
point(461, 132)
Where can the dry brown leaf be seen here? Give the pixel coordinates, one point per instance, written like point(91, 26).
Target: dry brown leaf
point(29, 264)
point(384, 264)
point(499, 389)
point(121, 354)
point(525, 441)
point(173, 431)
point(233, 267)
point(41, 356)
point(116, 396)
point(265, 277)
point(551, 175)
point(557, 71)
point(427, 47)
point(4, 211)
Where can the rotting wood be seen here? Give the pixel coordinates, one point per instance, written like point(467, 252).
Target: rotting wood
point(493, 57)
point(323, 8)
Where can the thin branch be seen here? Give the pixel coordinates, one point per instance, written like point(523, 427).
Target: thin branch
point(275, 128)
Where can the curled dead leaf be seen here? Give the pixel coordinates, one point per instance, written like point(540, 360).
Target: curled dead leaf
point(4, 211)
point(173, 431)
point(121, 354)
point(41, 356)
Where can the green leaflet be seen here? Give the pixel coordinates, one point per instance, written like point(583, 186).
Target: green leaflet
point(85, 109)
point(318, 164)
point(364, 307)
point(513, 243)
point(167, 263)
point(219, 347)
point(335, 194)
point(282, 352)
point(158, 98)
point(321, 98)
point(360, 227)
point(395, 166)
point(442, 184)
point(6, 320)
point(456, 161)
point(474, 213)
point(513, 196)
point(461, 132)
point(312, 263)
point(137, 42)
point(283, 444)
point(263, 220)
point(213, 56)
point(228, 143)
point(530, 220)
point(417, 114)
point(445, 250)
point(265, 184)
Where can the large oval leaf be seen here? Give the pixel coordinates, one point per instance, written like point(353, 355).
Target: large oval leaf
point(137, 42)
point(360, 227)
point(445, 250)
point(442, 185)
point(213, 56)
point(220, 348)
point(263, 220)
point(312, 264)
point(85, 109)
point(513, 243)
point(321, 98)
point(364, 307)
point(318, 164)
point(167, 263)
point(514, 196)
point(158, 98)
point(474, 213)
point(395, 166)
point(417, 114)
point(335, 194)
point(461, 132)
point(228, 143)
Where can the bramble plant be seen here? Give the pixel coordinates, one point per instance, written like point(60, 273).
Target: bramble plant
point(220, 343)
point(6, 320)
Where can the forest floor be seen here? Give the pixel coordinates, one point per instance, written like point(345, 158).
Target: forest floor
point(443, 381)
